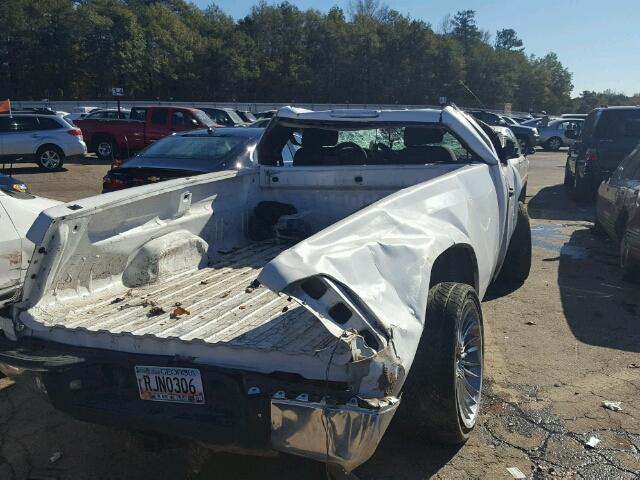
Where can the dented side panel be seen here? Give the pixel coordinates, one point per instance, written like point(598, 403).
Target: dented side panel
point(384, 253)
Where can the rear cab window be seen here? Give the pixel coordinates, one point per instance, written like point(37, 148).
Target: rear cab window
point(337, 145)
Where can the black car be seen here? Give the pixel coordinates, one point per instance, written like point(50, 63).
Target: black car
point(527, 136)
point(608, 135)
point(226, 117)
point(186, 154)
point(618, 212)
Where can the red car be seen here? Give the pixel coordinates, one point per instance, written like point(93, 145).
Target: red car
point(111, 138)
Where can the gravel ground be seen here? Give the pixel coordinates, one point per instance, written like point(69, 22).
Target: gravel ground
point(556, 348)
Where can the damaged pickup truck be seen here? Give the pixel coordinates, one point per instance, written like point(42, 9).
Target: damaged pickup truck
point(295, 306)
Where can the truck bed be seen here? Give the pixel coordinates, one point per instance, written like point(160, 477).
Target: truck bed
point(224, 310)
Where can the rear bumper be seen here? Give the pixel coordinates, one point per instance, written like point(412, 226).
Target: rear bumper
point(244, 411)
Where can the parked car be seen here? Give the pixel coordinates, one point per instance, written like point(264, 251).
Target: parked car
point(78, 112)
point(618, 212)
point(266, 114)
point(47, 140)
point(527, 136)
point(184, 155)
point(261, 123)
point(246, 116)
point(553, 135)
point(225, 117)
point(387, 229)
point(608, 135)
point(108, 114)
point(112, 138)
point(19, 209)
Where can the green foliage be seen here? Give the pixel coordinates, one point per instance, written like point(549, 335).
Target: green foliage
point(171, 49)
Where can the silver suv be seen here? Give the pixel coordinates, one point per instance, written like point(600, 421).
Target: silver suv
point(47, 140)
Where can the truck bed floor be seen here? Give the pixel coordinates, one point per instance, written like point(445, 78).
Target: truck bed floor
point(223, 309)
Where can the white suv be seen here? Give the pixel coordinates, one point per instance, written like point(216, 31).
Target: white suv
point(47, 140)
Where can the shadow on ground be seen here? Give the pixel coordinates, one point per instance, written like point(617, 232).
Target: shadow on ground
point(554, 203)
point(600, 308)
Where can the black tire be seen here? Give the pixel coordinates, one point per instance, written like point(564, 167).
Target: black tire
point(582, 190)
point(430, 410)
point(630, 266)
point(105, 148)
point(517, 263)
point(50, 158)
point(568, 176)
point(553, 144)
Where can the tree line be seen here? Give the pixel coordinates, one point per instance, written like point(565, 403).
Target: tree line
point(173, 50)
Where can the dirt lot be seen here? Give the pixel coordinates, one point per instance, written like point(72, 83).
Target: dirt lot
point(555, 350)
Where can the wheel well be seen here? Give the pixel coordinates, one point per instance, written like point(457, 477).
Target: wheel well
point(49, 145)
point(456, 264)
point(101, 137)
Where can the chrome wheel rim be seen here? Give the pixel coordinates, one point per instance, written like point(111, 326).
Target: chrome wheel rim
point(469, 367)
point(50, 159)
point(104, 149)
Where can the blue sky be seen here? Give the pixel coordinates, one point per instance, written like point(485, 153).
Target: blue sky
point(598, 40)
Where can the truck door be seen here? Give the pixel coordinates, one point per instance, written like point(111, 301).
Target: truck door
point(157, 124)
point(182, 120)
point(10, 254)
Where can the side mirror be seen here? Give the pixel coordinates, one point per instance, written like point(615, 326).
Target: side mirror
point(572, 134)
point(510, 149)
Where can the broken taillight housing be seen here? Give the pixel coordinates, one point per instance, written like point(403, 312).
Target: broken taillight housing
point(112, 183)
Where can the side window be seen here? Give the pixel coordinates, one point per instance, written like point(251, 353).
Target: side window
point(138, 114)
point(182, 119)
point(25, 124)
point(627, 167)
point(48, 123)
point(4, 124)
point(159, 116)
point(634, 167)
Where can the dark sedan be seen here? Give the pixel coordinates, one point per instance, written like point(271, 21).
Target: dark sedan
point(618, 212)
point(184, 155)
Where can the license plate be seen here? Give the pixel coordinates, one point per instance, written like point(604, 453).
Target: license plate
point(170, 384)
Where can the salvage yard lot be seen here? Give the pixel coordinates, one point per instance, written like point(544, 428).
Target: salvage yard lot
point(556, 348)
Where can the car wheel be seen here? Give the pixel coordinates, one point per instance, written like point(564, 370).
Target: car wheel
point(553, 144)
point(629, 265)
point(50, 158)
point(105, 149)
point(441, 397)
point(517, 263)
point(582, 190)
point(568, 176)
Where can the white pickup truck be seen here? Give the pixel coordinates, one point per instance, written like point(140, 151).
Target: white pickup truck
point(289, 306)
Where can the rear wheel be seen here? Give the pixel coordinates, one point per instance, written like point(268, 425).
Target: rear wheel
point(441, 397)
point(630, 266)
point(50, 158)
point(553, 144)
point(105, 149)
point(517, 263)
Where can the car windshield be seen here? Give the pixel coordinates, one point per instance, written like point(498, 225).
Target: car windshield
point(203, 118)
point(250, 116)
point(510, 120)
point(234, 116)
